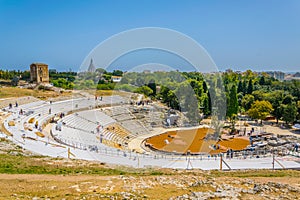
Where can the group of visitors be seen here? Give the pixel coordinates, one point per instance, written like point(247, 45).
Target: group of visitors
point(100, 98)
point(139, 103)
point(10, 106)
point(216, 146)
point(229, 153)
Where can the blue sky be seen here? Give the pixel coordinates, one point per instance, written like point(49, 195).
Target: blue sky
point(260, 35)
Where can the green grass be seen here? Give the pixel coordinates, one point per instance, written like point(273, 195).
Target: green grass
point(19, 164)
point(256, 173)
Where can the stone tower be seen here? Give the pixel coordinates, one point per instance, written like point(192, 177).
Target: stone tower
point(39, 73)
point(92, 67)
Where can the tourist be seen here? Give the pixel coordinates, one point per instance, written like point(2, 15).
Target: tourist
point(98, 129)
point(227, 153)
point(101, 138)
point(214, 147)
point(23, 136)
point(16, 104)
point(296, 147)
point(36, 124)
point(251, 141)
point(49, 111)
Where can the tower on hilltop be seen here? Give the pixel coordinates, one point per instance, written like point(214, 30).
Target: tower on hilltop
point(92, 67)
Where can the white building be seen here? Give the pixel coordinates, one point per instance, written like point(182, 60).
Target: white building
point(116, 79)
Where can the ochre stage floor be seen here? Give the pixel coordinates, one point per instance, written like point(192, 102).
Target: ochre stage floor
point(193, 141)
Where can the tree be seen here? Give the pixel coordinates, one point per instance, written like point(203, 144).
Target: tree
point(89, 84)
point(139, 81)
point(173, 100)
point(217, 126)
point(250, 87)
point(204, 87)
point(144, 90)
point(247, 101)
point(288, 99)
point(193, 113)
point(124, 80)
point(298, 107)
point(289, 113)
point(232, 106)
point(206, 105)
point(15, 81)
point(244, 87)
point(152, 85)
point(117, 73)
point(101, 71)
point(240, 87)
point(260, 110)
point(262, 80)
point(275, 98)
point(259, 95)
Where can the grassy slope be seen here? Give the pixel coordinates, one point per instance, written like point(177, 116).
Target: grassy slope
point(7, 92)
point(20, 164)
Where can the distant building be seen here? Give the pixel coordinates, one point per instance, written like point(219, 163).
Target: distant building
point(297, 75)
point(228, 70)
point(116, 79)
point(277, 75)
point(92, 67)
point(53, 71)
point(39, 73)
point(147, 71)
point(290, 77)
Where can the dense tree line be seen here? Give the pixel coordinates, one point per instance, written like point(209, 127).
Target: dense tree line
point(10, 74)
point(222, 95)
point(226, 94)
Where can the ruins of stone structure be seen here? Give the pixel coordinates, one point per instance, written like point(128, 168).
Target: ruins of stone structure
point(39, 73)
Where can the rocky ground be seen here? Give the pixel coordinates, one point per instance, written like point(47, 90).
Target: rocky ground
point(173, 187)
point(139, 184)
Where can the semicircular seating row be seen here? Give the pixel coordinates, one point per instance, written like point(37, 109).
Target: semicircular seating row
point(38, 111)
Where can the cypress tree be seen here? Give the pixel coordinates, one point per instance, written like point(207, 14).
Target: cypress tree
point(250, 87)
point(240, 87)
point(233, 106)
